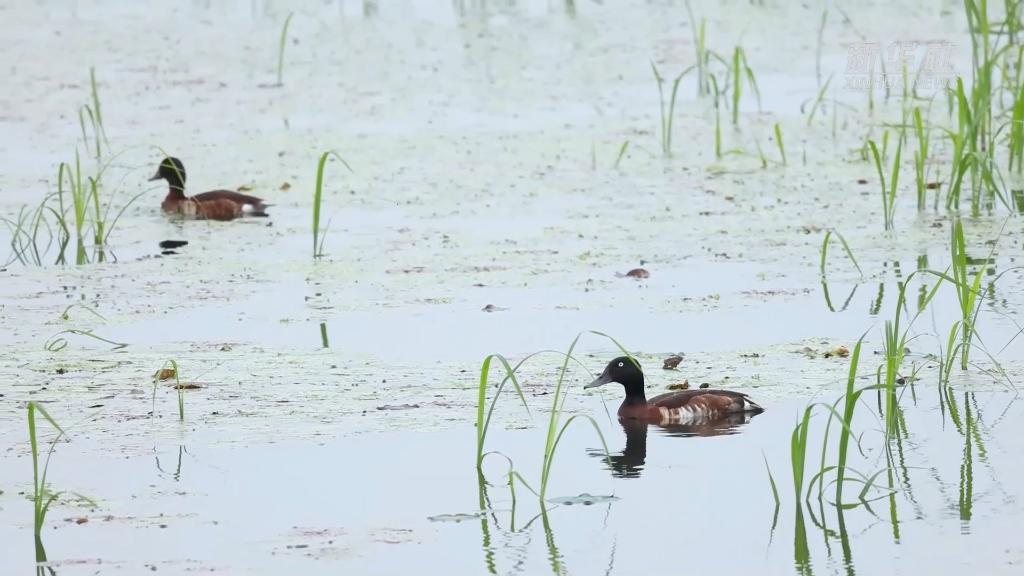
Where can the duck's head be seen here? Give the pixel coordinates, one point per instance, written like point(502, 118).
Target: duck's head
point(625, 371)
point(170, 169)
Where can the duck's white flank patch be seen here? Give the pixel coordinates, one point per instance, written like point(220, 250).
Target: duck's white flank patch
point(685, 414)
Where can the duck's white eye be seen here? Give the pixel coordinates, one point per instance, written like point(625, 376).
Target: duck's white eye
point(620, 364)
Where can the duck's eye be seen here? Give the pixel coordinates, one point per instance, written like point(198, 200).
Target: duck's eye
point(620, 364)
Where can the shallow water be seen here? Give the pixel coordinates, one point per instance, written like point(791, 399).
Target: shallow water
point(332, 417)
point(389, 502)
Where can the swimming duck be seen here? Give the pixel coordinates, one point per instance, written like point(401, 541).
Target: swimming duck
point(678, 407)
point(212, 205)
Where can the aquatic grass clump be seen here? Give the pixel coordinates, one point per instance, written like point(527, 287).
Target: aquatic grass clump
point(167, 370)
point(42, 497)
point(888, 192)
point(897, 335)
point(969, 299)
point(483, 415)
point(718, 117)
point(818, 100)
point(667, 115)
point(921, 159)
point(741, 70)
point(87, 218)
point(701, 53)
point(557, 424)
point(27, 243)
point(779, 142)
point(320, 235)
point(94, 113)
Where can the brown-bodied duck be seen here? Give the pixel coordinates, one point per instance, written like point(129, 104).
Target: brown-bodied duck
point(673, 408)
point(212, 205)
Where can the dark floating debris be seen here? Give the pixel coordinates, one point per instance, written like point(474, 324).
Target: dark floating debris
point(705, 385)
point(172, 244)
point(493, 308)
point(672, 362)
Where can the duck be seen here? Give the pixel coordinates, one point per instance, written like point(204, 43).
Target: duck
point(680, 407)
point(212, 205)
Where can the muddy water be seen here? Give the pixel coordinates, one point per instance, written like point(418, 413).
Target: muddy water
point(483, 138)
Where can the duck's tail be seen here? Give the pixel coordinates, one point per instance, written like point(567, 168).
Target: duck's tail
point(751, 406)
point(258, 211)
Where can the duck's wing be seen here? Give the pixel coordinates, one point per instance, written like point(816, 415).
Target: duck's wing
point(258, 205)
point(217, 209)
point(720, 401)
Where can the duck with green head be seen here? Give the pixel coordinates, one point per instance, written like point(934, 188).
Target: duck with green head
point(212, 205)
point(673, 408)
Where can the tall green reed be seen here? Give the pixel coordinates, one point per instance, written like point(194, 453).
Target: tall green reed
point(320, 235)
point(741, 70)
point(921, 159)
point(158, 376)
point(968, 291)
point(557, 422)
point(888, 192)
point(779, 142)
point(846, 248)
point(667, 114)
point(700, 50)
point(280, 48)
point(42, 497)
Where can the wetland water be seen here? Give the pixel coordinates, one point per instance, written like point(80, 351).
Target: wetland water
point(328, 420)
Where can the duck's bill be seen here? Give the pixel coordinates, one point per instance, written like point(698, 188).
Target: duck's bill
point(155, 177)
point(599, 381)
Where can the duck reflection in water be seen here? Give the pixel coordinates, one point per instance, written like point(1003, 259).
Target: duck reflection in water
point(701, 412)
point(630, 462)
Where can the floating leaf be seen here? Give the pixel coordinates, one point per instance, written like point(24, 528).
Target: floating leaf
point(463, 517)
point(584, 498)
